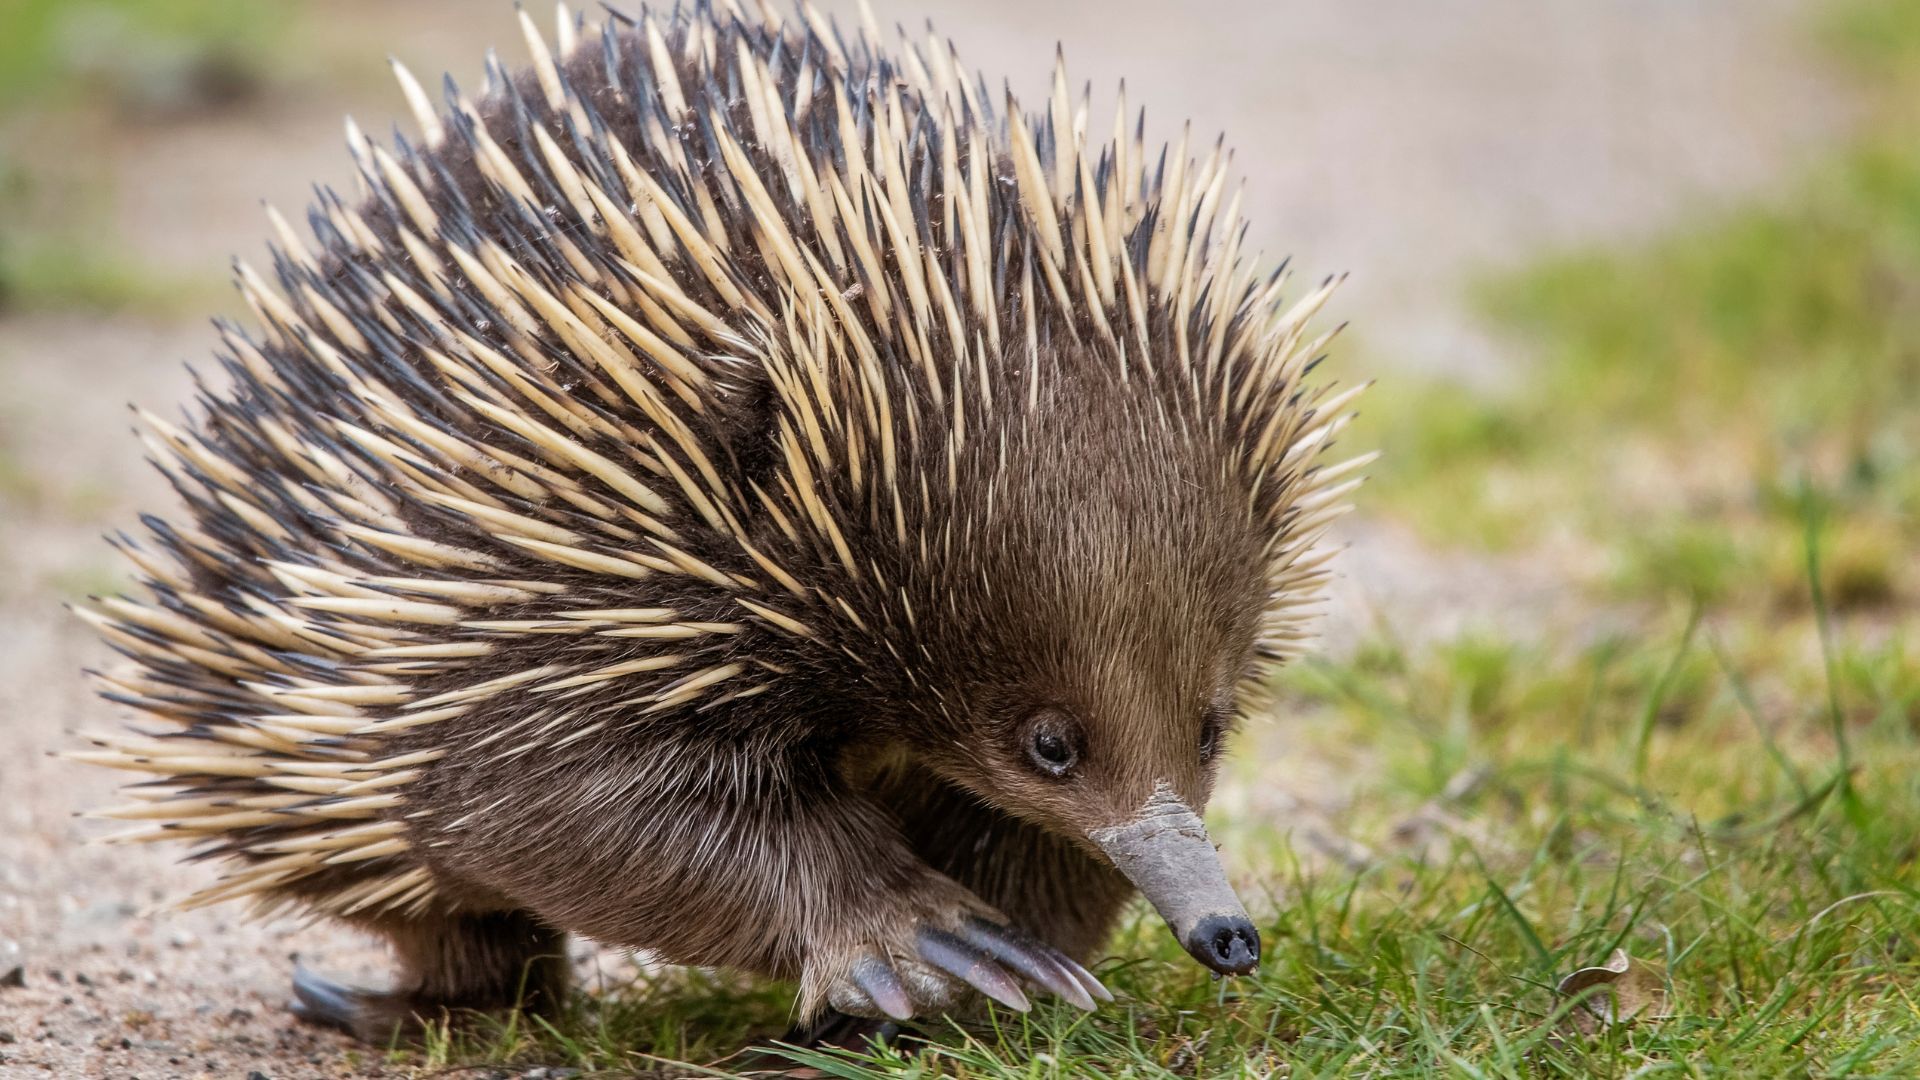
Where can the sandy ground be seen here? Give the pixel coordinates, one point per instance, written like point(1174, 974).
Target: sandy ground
point(1409, 142)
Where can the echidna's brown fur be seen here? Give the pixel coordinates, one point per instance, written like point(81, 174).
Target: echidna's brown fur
point(648, 505)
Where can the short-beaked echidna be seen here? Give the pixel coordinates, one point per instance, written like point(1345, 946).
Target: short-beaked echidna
point(741, 495)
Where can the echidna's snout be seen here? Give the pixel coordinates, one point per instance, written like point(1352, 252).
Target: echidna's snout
point(1164, 850)
point(1226, 943)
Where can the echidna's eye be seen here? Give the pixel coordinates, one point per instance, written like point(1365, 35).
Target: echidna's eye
point(1213, 728)
point(1053, 744)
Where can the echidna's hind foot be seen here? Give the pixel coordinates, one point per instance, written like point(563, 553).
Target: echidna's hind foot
point(368, 1015)
point(449, 967)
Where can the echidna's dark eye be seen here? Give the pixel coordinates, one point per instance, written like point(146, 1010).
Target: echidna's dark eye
point(1213, 728)
point(1052, 750)
point(1053, 743)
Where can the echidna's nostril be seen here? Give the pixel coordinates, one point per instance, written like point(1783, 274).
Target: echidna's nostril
point(1226, 943)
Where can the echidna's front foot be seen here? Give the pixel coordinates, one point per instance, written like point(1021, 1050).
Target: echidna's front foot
point(936, 966)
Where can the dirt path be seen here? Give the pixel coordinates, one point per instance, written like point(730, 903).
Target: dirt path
point(1403, 140)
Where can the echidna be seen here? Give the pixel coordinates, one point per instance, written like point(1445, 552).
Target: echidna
point(740, 495)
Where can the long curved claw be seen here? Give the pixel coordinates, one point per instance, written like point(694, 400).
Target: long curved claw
point(1086, 978)
point(976, 969)
point(1036, 961)
point(883, 988)
point(320, 1000)
point(373, 1016)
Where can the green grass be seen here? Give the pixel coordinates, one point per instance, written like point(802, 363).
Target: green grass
point(1682, 398)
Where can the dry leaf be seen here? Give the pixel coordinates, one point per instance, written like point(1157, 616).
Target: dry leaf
point(1631, 990)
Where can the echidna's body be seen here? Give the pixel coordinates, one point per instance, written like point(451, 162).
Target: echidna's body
point(678, 502)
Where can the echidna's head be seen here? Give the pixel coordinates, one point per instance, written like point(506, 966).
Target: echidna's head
point(1106, 613)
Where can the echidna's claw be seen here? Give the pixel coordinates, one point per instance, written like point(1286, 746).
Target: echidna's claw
point(1036, 961)
point(320, 1000)
point(971, 966)
point(1086, 978)
point(368, 1015)
point(883, 987)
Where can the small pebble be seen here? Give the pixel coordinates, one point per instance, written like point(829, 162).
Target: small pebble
point(15, 978)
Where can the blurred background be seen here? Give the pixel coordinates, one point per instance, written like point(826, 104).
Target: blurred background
point(1640, 285)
